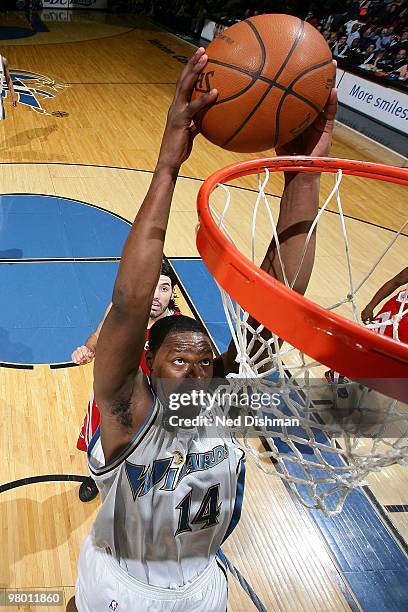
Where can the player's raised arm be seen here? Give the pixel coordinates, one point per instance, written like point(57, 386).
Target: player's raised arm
point(122, 337)
point(298, 208)
point(367, 314)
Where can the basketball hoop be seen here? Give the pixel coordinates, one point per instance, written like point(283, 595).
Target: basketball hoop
point(315, 335)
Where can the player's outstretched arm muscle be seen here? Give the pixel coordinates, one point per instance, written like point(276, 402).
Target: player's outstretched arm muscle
point(298, 208)
point(122, 338)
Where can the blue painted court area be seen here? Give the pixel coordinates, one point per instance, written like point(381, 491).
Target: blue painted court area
point(369, 559)
point(51, 301)
point(41, 226)
point(205, 296)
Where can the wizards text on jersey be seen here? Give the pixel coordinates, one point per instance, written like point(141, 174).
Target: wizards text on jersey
point(143, 478)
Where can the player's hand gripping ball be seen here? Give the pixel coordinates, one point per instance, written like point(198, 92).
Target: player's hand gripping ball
point(273, 74)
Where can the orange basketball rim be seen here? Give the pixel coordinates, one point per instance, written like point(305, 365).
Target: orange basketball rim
point(327, 337)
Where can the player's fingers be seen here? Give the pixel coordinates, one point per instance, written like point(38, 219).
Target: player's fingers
point(328, 114)
point(331, 106)
point(188, 77)
point(76, 356)
point(80, 353)
point(87, 354)
point(90, 356)
point(201, 102)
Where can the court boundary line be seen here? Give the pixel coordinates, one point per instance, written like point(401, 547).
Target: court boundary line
point(22, 482)
point(68, 42)
point(386, 519)
point(182, 176)
point(380, 144)
point(17, 366)
point(396, 508)
point(58, 197)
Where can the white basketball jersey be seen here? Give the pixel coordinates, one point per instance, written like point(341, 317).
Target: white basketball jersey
point(2, 81)
point(168, 501)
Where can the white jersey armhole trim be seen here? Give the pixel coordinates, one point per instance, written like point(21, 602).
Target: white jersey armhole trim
point(136, 440)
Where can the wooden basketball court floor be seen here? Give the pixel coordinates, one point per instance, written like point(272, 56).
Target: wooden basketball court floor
point(97, 143)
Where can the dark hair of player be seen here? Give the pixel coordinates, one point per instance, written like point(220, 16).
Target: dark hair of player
point(172, 325)
point(167, 270)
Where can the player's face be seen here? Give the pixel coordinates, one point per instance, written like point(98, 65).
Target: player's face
point(182, 356)
point(162, 297)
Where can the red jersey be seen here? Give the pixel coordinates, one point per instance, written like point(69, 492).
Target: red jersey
point(143, 363)
point(388, 315)
point(93, 416)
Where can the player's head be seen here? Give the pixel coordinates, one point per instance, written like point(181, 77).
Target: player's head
point(163, 295)
point(179, 349)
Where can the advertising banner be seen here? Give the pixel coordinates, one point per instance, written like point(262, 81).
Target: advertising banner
point(384, 104)
point(72, 4)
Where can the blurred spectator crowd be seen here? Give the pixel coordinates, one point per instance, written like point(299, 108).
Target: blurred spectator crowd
point(371, 35)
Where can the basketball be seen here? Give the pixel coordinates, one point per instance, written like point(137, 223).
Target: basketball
point(273, 74)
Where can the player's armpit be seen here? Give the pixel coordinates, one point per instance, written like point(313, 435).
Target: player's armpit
point(124, 415)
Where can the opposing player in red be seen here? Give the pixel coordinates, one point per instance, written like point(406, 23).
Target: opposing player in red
point(163, 305)
point(392, 319)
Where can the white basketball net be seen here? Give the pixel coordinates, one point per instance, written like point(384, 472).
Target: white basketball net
point(328, 455)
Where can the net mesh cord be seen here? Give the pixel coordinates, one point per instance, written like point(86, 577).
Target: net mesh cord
point(341, 438)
